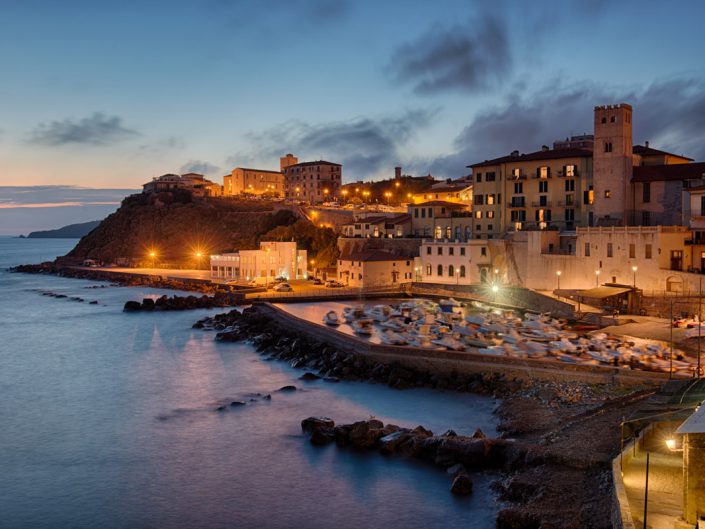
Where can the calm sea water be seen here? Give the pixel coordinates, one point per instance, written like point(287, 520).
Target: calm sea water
point(108, 420)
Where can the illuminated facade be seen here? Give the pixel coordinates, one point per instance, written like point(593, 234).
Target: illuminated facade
point(313, 182)
point(273, 259)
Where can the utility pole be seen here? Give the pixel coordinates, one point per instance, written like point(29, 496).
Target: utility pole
point(646, 489)
point(670, 369)
point(700, 304)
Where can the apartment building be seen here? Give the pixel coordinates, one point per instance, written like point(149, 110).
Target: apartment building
point(455, 262)
point(439, 219)
point(374, 268)
point(313, 182)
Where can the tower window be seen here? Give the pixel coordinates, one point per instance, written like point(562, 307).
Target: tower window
point(608, 194)
point(603, 120)
point(612, 119)
point(608, 146)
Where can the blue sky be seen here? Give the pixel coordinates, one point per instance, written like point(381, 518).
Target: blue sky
point(108, 94)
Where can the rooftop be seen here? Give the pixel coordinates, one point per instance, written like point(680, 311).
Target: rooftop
point(259, 170)
point(671, 172)
point(544, 154)
point(317, 162)
point(645, 150)
point(439, 203)
point(695, 423)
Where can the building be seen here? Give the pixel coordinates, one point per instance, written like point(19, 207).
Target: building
point(273, 259)
point(312, 182)
point(456, 263)
point(254, 182)
point(693, 432)
point(379, 226)
point(439, 219)
point(374, 268)
point(195, 183)
point(458, 191)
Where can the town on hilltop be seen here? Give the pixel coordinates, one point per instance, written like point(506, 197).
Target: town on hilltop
point(594, 216)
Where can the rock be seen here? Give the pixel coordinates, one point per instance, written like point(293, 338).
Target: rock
point(94, 302)
point(237, 403)
point(311, 424)
point(322, 437)
point(309, 376)
point(515, 518)
point(456, 470)
point(462, 485)
point(267, 397)
point(132, 306)
point(147, 304)
point(365, 434)
point(287, 388)
point(222, 408)
point(389, 444)
point(450, 433)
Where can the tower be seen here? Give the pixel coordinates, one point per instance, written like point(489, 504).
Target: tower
point(612, 164)
point(286, 161)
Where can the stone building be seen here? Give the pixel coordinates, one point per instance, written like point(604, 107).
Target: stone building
point(374, 268)
point(273, 259)
point(313, 182)
point(455, 262)
point(379, 226)
point(254, 182)
point(195, 183)
point(693, 432)
point(457, 191)
point(439, 219)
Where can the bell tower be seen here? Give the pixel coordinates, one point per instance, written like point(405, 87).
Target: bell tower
point(612, 164)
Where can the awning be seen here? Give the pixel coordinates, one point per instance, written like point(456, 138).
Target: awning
point(603, 292)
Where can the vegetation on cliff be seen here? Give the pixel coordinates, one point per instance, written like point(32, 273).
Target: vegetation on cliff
point(176, 227)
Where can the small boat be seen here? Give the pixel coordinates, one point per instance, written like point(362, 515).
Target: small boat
point(363, 326)
point(351, 314)
point(447, 305)
point(390, 337)
point(331, 318)
point(380, 312)
point(450, 343)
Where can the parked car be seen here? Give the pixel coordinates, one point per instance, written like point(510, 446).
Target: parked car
point(280, 279)
point(317, 281)
point(283, 287)
point(333, 284)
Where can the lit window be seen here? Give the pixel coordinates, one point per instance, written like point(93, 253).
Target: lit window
point(608, 194)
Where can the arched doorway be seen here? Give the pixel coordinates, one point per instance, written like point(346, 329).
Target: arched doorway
point(674, 284)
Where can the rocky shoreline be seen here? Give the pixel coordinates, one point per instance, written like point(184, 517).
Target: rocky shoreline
point(557, 441)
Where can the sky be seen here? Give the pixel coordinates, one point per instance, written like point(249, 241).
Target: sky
point(110, 94)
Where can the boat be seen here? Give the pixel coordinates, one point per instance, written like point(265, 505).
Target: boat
point(363, 326)
point(331, 318)
point(351, 314)
point(447, 305)
point(450, 343)
point(390, 337)
point(380, 312)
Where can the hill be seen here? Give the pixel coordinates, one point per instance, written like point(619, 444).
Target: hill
point(72, 231)
point(176, 227)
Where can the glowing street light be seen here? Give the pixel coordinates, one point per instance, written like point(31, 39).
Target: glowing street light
point(634, 269)
point(558, 279)
point(153, 256)
point(495, 289)
point(597, 278)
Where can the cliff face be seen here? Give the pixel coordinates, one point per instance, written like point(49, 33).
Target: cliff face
point(175, 226)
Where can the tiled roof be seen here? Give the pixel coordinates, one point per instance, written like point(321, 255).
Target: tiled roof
point(665, 173)
point(648, 151)
point(440, 203)
point(551, 154)
point(318, 162)
point(259, 170)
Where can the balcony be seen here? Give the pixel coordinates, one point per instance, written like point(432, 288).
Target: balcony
point(520, 176)
point(517, 202)
point(539, 204)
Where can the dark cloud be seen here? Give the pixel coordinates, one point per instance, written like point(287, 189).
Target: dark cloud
point(669, 113)
point(200, 167)
point(97, 129)
point(366, 147)
point(467, 58)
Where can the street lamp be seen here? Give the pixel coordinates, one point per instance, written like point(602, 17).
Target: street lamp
point(198, 255)
point(153, 255)
point(597, 278)
point(267, 264)
point(558, 279)
point(495, 289)
point(634, 269)
point(457, 276)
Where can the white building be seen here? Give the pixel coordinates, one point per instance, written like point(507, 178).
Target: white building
point(273, 259)
point(455, 262)
point(374, 268)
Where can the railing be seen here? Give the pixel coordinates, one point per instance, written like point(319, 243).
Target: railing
point(400, 288)
point(539, 204)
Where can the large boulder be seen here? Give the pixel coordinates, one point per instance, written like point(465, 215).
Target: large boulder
point(365, 434)
point(462, 485)
point(310, 424)
point(132, 306)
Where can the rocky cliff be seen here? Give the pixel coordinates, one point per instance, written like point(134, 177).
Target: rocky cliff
point(175, 226)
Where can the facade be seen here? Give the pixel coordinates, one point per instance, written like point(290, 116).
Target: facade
point(438, 219)
point(379, 226)
point(195, 183)
point(459, 192)
point(693, 432)
point(313, 182)
point(374, 268)
point(273, 259)
point(254, 181)
point(455, 263)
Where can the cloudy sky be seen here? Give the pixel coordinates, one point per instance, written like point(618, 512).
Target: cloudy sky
point(108, 94)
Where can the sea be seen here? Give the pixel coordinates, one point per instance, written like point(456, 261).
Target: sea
point(109, 420)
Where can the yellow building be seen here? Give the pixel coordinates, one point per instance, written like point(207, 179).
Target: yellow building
point(459, 192)
point(253, 181)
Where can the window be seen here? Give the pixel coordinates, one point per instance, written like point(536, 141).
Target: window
point(608, 146)
point(569, 170)
point(632, 251)
point(490, 200)
point(587, 249)
point(609, 249)
point(448, 232)
point(603, 120)
point(608, 194)
point(483, 251)
point(462, 270)
point(647, 251)
point(702, 205)
point(430, 213)
point(612, 119)
point(478, 227)
point(429, 269)
point(569, 215)
point(462, 250)
point(490, 176)
point(440, 250)
point(518, 188)
point(423, 213)
point(518, 202)
point(569, 201)
point(543, 187)
point(543, 200)
point(451, 251)
point(543, 172)
point(428, 250)
point(542, 215)
point(646, 192)
point(458, 233)
point(451, 270)
point(439, 271)
point(478, 214)
point(570, 185)
point(479, 200)
point(478, 177)
point(516, 173)
point(489, 214)
point(646, 218)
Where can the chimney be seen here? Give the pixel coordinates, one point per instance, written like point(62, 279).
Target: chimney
point(646, 143)
point(515, 153)
point(397, 173)
point(544, 148)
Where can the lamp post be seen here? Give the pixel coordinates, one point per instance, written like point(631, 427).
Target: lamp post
point(700, 302)
point(670, 356)
point(153, 255)
point(198, 255)
point(558, 279)
point(597, 278)
point(457, 277)
point(267, 264)
point(634, 269)
point(495, 289)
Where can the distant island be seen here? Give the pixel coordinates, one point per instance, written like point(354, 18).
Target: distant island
point(72, 231)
